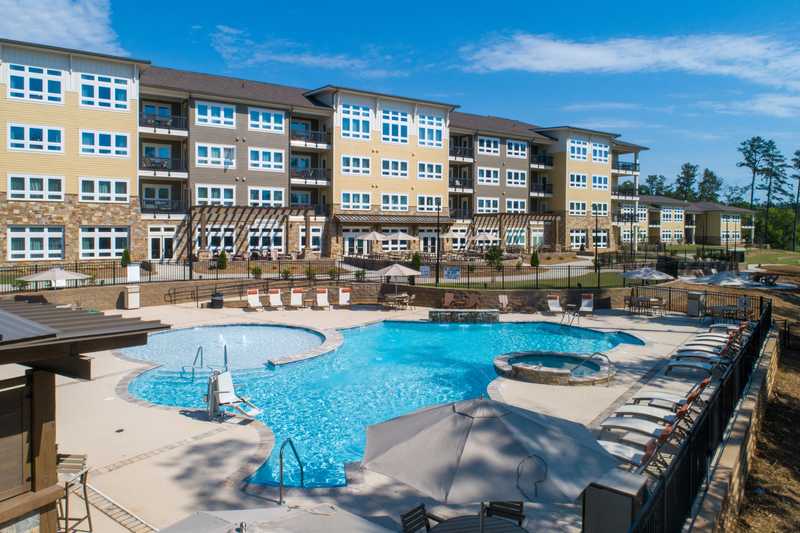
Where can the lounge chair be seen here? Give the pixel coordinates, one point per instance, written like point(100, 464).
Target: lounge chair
point(449, 299)
point(226, 396)
point(554, 304)
point(656, 414)
point(411, 299)
point(253, 301)
point(344, 296)
point(275, 299)
point(418, 519)
point(674, 400)
point(587, 304)
point(638, 425)
point(689, 365)
point(502, 301)
point(513, 511)
point(629, 454)
point(296, 298)
point(322, 298)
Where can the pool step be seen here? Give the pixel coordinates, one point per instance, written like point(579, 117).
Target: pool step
point(117, 513)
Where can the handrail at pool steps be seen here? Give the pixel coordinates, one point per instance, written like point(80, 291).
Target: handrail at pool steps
point(609, 370)
point(197, 356)
point(290, 442)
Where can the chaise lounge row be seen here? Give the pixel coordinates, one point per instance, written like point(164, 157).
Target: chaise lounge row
point(297, 299)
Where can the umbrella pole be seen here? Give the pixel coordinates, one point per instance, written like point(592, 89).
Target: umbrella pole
point(481, 517)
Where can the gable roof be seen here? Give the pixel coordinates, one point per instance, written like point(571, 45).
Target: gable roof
point(73, 51)
point(335, 88)
point(502, 126)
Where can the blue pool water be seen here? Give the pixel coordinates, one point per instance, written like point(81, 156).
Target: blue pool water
point(380, 372)
point(580, 366)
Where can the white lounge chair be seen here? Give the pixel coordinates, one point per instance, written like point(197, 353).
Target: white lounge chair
point(587, 304)
point(629, 454)
point(657, 414)
point(637, 425)
point(689, 365)
point(226, 397)
point(275, 299)
point(502, 300)
point(675, 401)
point(554, 304)
point(254, 300)
point(296, 298)
point(322, 298)
point(344, 296)
point(702, 356)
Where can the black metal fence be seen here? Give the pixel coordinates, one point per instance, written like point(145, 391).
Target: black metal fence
point(713, 303)
point(670, 502)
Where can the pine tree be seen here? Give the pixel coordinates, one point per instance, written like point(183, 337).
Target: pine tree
point(774, 180)
point(752, 151)
point(655, 184)
point(796, 176)
point(709, 187)
point(685, 182)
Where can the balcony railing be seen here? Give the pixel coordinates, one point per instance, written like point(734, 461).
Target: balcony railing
point(319, 209)
point(542, 159)
point(461, 213)
point(625, 166)
point(626, 218)
point(163, 164)
point(310, 136)
point(544, 188)
point(624, 191)
point(462, 151)
point(156, 206)
point(319, 174)
point(172, 122)
point(457, 182)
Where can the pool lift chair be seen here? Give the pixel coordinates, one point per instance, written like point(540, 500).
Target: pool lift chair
point(221, 393)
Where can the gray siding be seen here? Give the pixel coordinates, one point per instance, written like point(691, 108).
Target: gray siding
point(502, 162)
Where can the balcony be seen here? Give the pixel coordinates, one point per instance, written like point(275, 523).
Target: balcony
point(541, 161)
point(320, 177)
point(154, 206)
point(625, 167)
point(461, 213)
point(462, 153)
point(624, 193)
point(625, 218)
point(163, 167)
point(310, 139)
point(320, 210)
point(163, 125)
point(459, 184)
point(541, 189)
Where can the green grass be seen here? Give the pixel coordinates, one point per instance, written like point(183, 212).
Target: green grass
point(773, 257)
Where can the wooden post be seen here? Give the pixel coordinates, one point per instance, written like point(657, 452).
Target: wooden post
point(43, 441)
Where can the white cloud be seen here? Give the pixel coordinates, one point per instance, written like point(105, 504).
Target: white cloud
point(756, 58)
point(238, 49)
point(613, 124)
point(615, 106)
point(81, 24)
point(770, 104)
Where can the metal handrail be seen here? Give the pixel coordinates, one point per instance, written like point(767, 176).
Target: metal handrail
point(602, 356)
point(299, 462)
point(195, 366)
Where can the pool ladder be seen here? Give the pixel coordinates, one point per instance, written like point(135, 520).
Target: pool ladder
point(290, 442)
point(601, 355)
point(199, 362)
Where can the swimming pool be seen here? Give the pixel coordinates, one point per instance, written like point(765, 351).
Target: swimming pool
point(380, 371)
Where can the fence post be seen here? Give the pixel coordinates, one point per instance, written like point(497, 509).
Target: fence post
point(114, 273)
point(537, 277)
point(502, 276)
point(569, 276)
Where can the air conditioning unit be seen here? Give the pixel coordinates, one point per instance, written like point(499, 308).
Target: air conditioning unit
point(612, 503)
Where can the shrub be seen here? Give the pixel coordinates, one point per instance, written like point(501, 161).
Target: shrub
point(222, 260)
point(361, 275)
point(256, 272)
point(535, 259)
point(333, 273)
point(416, 261)
point(310, 274)
point(146, 266)
point(494, 257)
point(518, 264)
point(125, 260)
point(19, 285)
point(286, 273)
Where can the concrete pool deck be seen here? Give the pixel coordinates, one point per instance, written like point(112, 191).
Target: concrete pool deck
point(162, 464)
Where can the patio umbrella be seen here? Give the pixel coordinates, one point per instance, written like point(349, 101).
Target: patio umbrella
point(647, 274)
point(372, 236)
point(477, 450)
point(397, 270)
point(54, 276)
point(401, 236)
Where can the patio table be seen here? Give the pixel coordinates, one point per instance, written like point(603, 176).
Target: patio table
point(470, 524)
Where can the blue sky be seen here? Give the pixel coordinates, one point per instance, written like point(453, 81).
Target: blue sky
point(689, 79)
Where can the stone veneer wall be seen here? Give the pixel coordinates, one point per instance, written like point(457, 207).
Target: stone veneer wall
point(587, 222)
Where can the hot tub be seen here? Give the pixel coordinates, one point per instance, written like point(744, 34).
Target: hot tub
point(554, 368)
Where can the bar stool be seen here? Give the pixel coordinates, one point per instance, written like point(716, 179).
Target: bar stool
point(72, 472)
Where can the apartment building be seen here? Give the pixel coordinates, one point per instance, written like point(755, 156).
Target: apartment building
point(673, 221)
point(69, 152)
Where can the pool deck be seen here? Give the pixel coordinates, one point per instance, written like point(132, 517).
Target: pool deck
point(162, 464)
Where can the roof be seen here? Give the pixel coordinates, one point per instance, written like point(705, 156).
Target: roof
point(504, 126)
point(616, 143)
point(392, 219)
point(692, 207)
point(73, 51)
point(716, 206)
point(225, 87)
point(658, 200)
point(577, 128)
point(335, 88)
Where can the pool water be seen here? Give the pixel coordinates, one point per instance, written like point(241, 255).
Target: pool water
point(381, 371)
point(560, 362)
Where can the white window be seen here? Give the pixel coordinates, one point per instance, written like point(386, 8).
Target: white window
point(516, 178)
point(266, 160)
point(316, 238)
point(429, 171)
point(678, 214)
point(518, 149)
point(394, 126)
point(99, 242)
point(626, 235)
point(537, 237)
point(35, 138)
point(35, 242)
point(265, 237)
point(600, 209)
point(215, 114)
point(36, 188)
point(104, 143)
point(355, 121)
point(104, 190)
point(394, 202)
point(731, 219)
point(514, 205)
point(214, 194)
point(215, 155)
point(600, 152)
point(428, 203)
point(600, 183)
point(488, 176)
point(265, 120)
point(600, 238)
point(577, 181)
point(431, 130)
point(355, 166)
point(357, 201)
point(666, 235)
point(35, 83)
point(394, 168)
point(488, 205)
point(104, 92)
point(577, 238)
point(577, 208)
point(578, 149)
point(666, 215)
point(218, 238)
point(265, 196)
point(394, 245)
point(515, 237)
point(459, 240)
point(641, 214)
point(489, 145)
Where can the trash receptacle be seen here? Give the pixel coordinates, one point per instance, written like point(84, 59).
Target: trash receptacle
point(217, 301)
point(131, 297)
point(695, 303)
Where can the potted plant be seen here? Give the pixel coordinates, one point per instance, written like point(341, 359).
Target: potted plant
point(256, 272)
point(132, 270)
point(361, 275)
point(286, 273)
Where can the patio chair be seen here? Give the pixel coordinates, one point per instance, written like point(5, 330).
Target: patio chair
point(72, 471)
point(502, 300)
point(513, 511)
point(296, 298)
point(344, 296)
point(253, 301)
point(226, 396)
point(411, 299)
point(275, 299)
point(273, 255)
point(587, 304)
point(554, 304)
point(629, 454)
point(322, 298)
point(418, 519)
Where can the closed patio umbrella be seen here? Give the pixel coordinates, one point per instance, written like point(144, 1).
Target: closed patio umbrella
point(477, 450)
point(647, 274)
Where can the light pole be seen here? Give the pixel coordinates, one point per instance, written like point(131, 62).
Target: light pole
point(596, 235)
point(727, 237)
point(438, 238)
